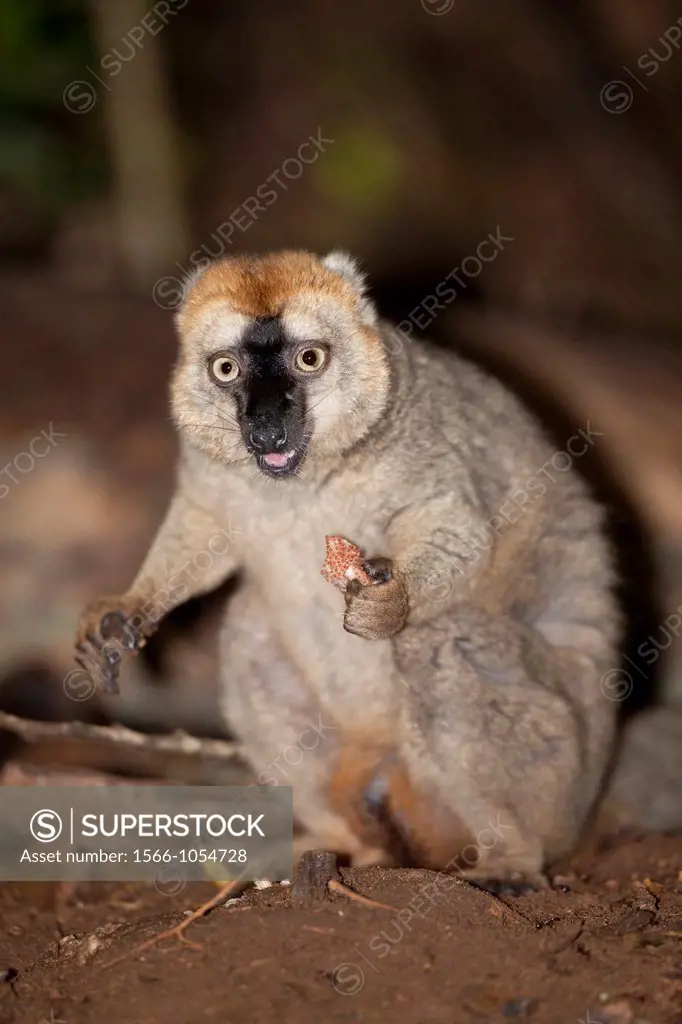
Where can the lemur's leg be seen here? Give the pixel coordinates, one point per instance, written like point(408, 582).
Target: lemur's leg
point(504, 742)
point(287, 737)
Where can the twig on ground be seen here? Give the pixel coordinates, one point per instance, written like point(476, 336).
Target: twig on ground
point(317, 875)
point(120, 736)
point(177, 932)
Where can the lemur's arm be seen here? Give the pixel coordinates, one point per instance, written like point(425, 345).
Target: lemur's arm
point(429, 567)
point(191, 554)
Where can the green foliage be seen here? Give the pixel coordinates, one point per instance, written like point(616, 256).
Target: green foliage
point(362, 170)
point(48, 156)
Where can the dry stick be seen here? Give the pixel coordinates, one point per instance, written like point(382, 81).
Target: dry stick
point(315, 869)
point(335, 886)
point(173, 743)
point(177, 931)
point(120, 736)
point(317, 875)
point(314, 872)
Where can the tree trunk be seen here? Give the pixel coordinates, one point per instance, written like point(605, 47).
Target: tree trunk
point(152, 230)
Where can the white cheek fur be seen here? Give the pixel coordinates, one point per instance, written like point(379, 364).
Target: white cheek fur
point(326, 402)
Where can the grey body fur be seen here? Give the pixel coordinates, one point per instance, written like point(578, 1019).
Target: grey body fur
point(497, 706)
point(489, 697)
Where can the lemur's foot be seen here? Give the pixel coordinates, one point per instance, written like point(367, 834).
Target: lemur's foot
point(106, 629)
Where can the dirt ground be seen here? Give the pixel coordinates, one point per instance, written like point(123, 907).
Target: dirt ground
point(605, 946)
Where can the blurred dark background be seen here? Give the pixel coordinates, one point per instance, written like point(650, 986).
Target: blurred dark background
point(139, 138)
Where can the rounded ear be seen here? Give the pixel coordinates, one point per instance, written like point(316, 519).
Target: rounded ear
point(187, 284)
point(343, 264)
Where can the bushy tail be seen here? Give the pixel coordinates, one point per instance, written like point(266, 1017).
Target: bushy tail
point(645, 789)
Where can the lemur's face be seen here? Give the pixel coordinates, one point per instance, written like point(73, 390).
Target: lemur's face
point(280, 358)
point(269, 376)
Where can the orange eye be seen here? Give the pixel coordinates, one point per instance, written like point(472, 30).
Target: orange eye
point(310, 359)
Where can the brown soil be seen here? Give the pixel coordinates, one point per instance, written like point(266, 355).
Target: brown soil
point(609, 949)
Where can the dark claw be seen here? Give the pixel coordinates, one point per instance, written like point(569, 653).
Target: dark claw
point(112, 625)
point(103, 651)
point(129, 641)
point(100, 655)
point(112, 633)
point(378, 569)
point(116, 626)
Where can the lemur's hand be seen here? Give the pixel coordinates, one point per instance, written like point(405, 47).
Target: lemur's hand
point(378, 610)
point(106, 629)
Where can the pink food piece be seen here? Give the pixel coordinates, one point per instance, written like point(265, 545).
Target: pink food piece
point(343, 563)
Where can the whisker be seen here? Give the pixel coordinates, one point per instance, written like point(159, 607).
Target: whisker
point(223, 413)
point(211, 426)
point(326, 395)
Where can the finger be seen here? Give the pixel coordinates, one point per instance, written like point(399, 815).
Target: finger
point(94, 643)
point(380, 570)
point(377, 618)
point(130, 640)
point(134, 634)
point(379, 594)
point(351, 627)
point(111, 652)
point(100, 659)
point(85, 661)
point(90, 660)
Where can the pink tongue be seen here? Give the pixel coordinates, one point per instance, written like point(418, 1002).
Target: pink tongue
point(276, 460)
